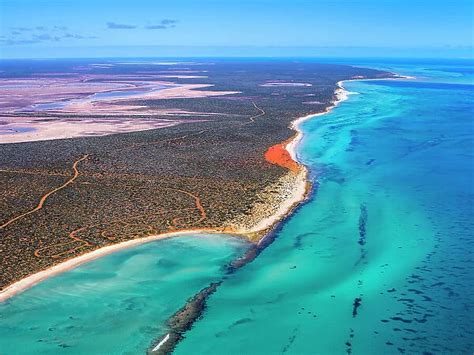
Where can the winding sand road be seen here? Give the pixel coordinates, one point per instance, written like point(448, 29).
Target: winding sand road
point(45, 197)
point(262, 112)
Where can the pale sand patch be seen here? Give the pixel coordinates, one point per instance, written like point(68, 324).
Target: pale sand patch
point(62, 129)
point(180, 71)
point(283, 84)
point(115, 108)
point(313, 103)
point(180, 76)
point(181, 92)
point(58, 86)
point(160, 63)
point(101, 65)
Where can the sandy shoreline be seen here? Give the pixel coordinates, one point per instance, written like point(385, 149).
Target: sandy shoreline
point(341, 95)
point(299, 192)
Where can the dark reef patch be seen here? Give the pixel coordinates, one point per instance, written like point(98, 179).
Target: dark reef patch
point(183, 320)
point(298, 243)
point(291, 340)
point(355, 306)
point(362, 224)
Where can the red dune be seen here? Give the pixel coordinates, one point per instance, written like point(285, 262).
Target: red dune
point(277, 154)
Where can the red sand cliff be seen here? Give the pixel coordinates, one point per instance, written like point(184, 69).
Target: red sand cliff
point(277, 154)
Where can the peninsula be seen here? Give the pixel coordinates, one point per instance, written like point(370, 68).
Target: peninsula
point(100, 156)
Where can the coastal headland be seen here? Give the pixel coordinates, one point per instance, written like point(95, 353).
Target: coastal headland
point(211, 149)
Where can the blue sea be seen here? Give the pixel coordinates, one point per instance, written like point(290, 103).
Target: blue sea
point(378, 261)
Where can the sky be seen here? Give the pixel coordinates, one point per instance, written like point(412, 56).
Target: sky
point(133, 28)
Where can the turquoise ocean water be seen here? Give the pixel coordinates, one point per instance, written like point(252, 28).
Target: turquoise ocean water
point(117, 304)
point(378, 261)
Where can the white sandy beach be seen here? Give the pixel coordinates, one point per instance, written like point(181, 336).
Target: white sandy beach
point(341, 95)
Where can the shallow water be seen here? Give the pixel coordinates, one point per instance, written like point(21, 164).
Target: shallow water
point(378, 261)
point(15, 130)
point(116, 304)
point(100, 96)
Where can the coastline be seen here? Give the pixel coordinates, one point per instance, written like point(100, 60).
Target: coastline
point(303, 185)
point(341, 95)
point(299, 192)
